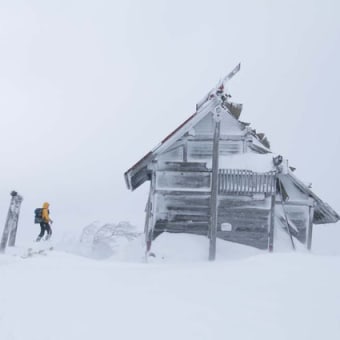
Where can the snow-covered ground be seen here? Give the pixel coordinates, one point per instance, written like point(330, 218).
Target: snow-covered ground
point(245, 294)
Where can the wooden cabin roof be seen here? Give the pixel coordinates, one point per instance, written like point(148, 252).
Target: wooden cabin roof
point(144, 161)
point(323, 213)
point(138, 173)
point(141, 171)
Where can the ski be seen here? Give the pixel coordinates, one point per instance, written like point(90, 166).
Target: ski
point(31, 252)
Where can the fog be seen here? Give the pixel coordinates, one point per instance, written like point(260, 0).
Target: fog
point(87, 88)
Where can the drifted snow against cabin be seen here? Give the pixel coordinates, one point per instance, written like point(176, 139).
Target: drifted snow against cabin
point(215, 176)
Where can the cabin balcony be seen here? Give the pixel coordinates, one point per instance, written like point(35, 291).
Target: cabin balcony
point(246, 182)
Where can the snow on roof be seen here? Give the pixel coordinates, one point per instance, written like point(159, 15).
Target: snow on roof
point(247, 161)
point(138, 173)
point(323, 213)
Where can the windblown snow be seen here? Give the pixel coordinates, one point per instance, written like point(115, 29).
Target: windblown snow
point(81, 292)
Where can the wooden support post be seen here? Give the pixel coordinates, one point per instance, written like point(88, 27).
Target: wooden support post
point(5, 233)
point(245, 145)
point(150, 218)
point(271, 224)
point(13, 233)
point(10, 229)
point(185, 151)
point(214, 190)
point(147, 219)
point(285, 215)
point(310, 228)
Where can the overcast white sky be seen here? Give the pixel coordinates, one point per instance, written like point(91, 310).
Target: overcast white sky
point(88, 87)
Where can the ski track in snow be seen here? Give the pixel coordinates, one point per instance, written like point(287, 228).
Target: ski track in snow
point(177, 295)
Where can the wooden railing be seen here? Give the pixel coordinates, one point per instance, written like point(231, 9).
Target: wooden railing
point(246, 181)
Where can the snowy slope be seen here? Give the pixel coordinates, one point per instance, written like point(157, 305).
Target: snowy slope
point(246, 294)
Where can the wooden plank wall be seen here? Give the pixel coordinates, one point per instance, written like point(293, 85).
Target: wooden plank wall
point(183, 201)
point(180, 180)
point(248, 218)
point(183, 189)
point(202, 150)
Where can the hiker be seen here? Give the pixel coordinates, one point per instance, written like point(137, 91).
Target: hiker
point(45, 223)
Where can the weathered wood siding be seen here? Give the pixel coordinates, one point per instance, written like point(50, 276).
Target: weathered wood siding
point(202, 150)
point(198, 150)
point(249, 220)
point(197, 144)
point(183, 213)
point(229, 126)
point(182, 198)
point(182, 192)
point(180, 180)
point(183, 205)
point(175, 154)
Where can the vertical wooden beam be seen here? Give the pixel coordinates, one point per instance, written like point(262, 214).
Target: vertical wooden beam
point(285, 215)
point(11, 225)
point(310, 228)
point(151, 219)
point(245, 145)
point(147, 217)
point(5, 233)
point(271, 224)
point(260, 180)
point(248, 182)
point(220, 182)
point(13, 232)
point(232, 181)
point(266, 180)
point(228, 186)
point(241, 177)
point(185, 151)
point(236, 181)
point(214, 190)
point(272, 188)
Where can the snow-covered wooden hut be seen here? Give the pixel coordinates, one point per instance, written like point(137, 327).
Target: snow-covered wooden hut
point(215, 176)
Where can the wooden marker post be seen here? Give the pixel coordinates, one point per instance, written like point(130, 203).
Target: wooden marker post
point(10, 229)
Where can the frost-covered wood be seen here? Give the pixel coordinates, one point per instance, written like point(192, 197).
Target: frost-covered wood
point(214, 189)
point(271, 223)
point(11, 225)
point(246, 181)
point(256, 191)
point(310, 228)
